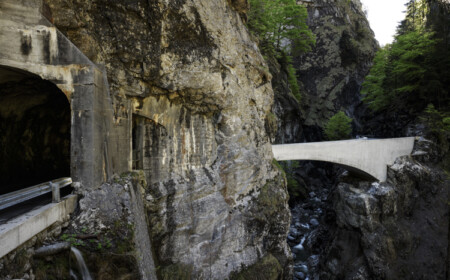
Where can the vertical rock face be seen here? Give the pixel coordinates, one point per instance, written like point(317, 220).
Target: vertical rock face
point(331, 75)
point(188, 79)
point(393, 230)
point(286, 107)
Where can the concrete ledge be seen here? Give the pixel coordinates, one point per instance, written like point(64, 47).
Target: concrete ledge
point(21, 229)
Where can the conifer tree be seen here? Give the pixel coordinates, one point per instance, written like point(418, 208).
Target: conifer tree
point(275, 21)
point(281, 28)
point(414, 70)
point(338, 127)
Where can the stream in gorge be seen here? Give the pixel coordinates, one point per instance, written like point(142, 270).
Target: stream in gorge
point(312, 217)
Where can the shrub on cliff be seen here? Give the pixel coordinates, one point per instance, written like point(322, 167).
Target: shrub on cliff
point(280, 26)
point(276, 21)
point(438, 122)
point(338, 127)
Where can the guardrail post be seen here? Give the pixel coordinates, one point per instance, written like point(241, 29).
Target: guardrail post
point(55, 193)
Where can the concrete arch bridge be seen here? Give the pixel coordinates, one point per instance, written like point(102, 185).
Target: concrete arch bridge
point(368, 157)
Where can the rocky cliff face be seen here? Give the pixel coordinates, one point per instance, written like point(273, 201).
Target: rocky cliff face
point(331, 75)
point(287, 126)
point(195, 87)
point(355, 229)
point(392, 230)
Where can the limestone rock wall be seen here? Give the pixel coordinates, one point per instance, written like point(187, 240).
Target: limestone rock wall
point(191, 88)
point(331, 75)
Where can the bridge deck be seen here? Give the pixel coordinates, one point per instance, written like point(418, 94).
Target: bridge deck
point(369, 156)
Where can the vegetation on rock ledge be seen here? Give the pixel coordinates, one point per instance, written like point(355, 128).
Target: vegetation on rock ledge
point(280, 26)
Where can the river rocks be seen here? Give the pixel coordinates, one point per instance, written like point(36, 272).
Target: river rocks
point(314, 222)
point(369, 230)
point(308, 235)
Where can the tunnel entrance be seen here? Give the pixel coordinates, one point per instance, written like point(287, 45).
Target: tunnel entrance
point(34, 131)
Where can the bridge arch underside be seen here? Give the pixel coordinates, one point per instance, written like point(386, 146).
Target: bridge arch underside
point(353, 170)
point(35, 129)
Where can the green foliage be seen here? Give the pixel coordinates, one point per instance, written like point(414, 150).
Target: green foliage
point(177, 271)
point(373, 86)
point(274, 21)
point(293, 83)
point(71, 238)
point(292, 77)
point(338, 127)
point(281, 28)
point(279, 167)
point(403, 74)
point(266, 268)
point(438, 122)
point(415, 70)
point(292, 183)
point(288, 168)
point(416, 12)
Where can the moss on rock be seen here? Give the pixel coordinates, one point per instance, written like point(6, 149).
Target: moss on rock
point(268, 268)
point(176, 272)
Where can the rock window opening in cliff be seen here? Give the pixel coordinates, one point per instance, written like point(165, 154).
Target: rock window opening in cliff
point(34, 131)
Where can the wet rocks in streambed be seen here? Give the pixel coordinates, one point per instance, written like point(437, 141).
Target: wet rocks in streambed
point(308, 233)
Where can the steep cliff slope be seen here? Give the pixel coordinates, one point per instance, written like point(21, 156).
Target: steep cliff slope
point(393, 230)
point(196, 87)
point(356, 229)
point(331, 75)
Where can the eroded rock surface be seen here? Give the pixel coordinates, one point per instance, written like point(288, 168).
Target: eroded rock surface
point(331, 75)
point(392, 230)
point(188, 79)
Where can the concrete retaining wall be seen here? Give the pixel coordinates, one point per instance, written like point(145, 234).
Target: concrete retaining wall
point(21, 229)
point(29, 43)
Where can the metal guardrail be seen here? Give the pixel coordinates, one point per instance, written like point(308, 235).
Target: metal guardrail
point(13, 198)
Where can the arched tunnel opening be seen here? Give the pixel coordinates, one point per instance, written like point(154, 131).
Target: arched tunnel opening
point(34, 131)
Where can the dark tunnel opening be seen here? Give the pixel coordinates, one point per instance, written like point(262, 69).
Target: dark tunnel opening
point(34, 131)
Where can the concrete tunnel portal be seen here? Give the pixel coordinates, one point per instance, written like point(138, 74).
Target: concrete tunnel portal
point(35, 130)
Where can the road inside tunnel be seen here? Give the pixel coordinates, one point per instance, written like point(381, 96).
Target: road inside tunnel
point(34, 131)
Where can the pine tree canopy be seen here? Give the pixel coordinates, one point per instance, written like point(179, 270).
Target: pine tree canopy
point(276, 22)
point(415, 69)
